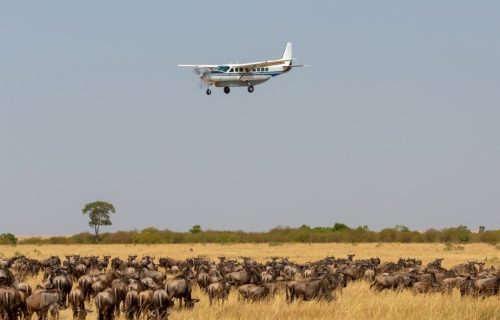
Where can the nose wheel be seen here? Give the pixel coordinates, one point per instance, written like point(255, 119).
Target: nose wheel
point(208, 92)
point(227, 90)
point(250, 89)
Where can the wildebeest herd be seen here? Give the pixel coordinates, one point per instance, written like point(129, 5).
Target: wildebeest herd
point(146, 288)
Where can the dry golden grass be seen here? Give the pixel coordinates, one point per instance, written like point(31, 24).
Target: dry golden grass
point(356, 302)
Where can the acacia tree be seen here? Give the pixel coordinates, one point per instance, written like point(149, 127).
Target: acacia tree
point(98, 212)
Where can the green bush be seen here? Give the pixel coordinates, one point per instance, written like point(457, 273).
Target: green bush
point(8, 238)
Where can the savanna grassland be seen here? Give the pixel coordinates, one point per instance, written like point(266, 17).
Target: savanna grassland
point(356, 302)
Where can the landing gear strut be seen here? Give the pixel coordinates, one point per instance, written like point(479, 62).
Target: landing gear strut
point(208, 92)
point(250, 89)
point(227, 90)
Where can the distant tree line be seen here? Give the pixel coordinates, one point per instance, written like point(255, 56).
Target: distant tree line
point(339, 232)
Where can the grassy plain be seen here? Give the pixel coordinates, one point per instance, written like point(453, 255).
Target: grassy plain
point(356, 302)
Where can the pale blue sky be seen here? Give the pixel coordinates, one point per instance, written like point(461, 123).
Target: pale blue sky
point(397, 121)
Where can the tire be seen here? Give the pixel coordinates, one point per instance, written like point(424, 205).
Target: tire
point(227, 90)
point(251, 89)
point(208, 92)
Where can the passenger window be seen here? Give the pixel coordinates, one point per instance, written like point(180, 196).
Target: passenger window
point(231, 70)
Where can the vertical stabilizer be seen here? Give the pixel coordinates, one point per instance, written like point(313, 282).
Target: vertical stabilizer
point(287, 55)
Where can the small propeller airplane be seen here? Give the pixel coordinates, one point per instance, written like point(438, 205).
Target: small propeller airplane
point(243, 74)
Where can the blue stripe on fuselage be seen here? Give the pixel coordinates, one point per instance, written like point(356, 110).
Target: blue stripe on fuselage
point(220, 73)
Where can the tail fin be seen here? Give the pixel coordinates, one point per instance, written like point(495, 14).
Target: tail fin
point(287, 55)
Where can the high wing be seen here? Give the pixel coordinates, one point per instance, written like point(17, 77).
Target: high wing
point(198, 65)
point(261, 63)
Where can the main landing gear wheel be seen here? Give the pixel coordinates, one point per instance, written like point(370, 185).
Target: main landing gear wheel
point(227, 90)
point(208, 92)
point(251, 89)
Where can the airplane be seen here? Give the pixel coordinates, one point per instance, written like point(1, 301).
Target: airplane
point(243, 74)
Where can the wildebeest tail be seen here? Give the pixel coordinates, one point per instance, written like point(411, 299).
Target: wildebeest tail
point(71, 299)
point(98, 303)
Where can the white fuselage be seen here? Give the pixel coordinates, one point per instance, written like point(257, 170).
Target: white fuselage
point(234, 76)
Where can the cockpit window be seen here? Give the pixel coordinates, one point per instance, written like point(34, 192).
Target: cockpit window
point(222, 68)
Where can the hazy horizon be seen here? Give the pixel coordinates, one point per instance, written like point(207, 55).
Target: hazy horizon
point(396, 121)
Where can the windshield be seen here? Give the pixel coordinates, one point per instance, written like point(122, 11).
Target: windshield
point(222, 68)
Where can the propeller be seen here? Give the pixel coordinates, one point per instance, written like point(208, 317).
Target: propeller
point(201, 72)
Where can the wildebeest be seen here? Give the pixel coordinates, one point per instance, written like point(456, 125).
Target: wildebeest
point(157, 276)
point(179, 288)
point(247, 275)
point(119, 287)
point(386, 281)
point(161, 304)
point(85, 284)
point(145, 302)
point(218, 291)
point(449, 283)
point(10, 302)
point(105, 303)
point(41, 302)
point(77, 303)
point(63, 284)
point(168, 263)
point(131, 305)
point(252, 292)
point(7, 279)
point(320, 288)
point(482, 286)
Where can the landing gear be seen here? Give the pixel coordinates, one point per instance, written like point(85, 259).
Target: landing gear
point(208, 92)
point(227, 90)
point(250, 89)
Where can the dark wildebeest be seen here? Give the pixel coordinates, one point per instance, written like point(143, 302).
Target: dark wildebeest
point(77, 303)
point(10, 303)
point(179, 288)
point(454, 282)
point(168, 263)
point(203, 280)
point(85, 284)
point(105, 303)
point(218, 291)
point(6, 278)
point(386, 281)
point(41, 302)
point(145, 302)
point(53, 261)
point(320, 288)
point(63, 284)
point(131, 305)
point(161, 304)
point(119, 287)
point(157, 276)
point(482, 286)
point(238, 278)
point(98, 286)
point(252, 292)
